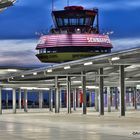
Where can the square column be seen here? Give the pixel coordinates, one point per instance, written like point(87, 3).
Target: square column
point(25, 101)
point(0, 100)
point(14, 100)
point(122, 91)
point(74, 99)
point(69, 94)
point(51, 100)
point(135, 97)
point(97, 99)
point(40, 99)
point(101, 92)
point(57, 100)
point(7, 99)
point(108, 99)
point(19, 99)
point(83, 79)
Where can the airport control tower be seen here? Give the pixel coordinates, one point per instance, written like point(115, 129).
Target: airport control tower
point(75, 35)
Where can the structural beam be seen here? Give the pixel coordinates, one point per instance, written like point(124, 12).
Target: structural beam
point(122, 91)
point(74, 99)
point(69, 94)
point(19, 99)
point(25, 101)
point(51, 100)
point(101, 92)
point(108, 99)
point(14, 100)
point(40, 99)
point(83, 79)
point(97, 100)
point(57, 100)
point(0, 100)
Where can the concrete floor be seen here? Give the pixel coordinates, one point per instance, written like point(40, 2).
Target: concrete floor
point(49, 126)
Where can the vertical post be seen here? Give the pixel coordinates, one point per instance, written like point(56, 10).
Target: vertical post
point(97, 99)
point(19, 99)
point(90, 98)
point(0, 100)
point(101, 92)
point(60, 94)
point(116, 98)
point(14, 100)
point(40, 99)
point(56, 95)
point(51, 100)
point(78, 99)
point(108, 99)
point(83, 79)
point(122, 91)
point(25, 101)
point(7, 99)
point(135, 97)
point(68, 94)
point(74, 99)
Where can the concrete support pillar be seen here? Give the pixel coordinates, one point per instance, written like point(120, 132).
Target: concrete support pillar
point(78, 99)
point(101, 92)
point(74, 99)
point(19, 99)
point(60, 102)
point(7, 98)
point(69, 94)
point(116, 98)
point(90, 98)
point(14, 100)
point(25, 101)
point(51, 100)
point(122, 91)
point(83, 79)
point(0, 100)
point(97, 100)
point(135, 98)
point(57, 100)
point(40, 99)
point(108, 99)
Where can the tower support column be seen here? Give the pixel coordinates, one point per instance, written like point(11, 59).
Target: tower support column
point(101, 92)
point(108, 99)
point(83, 79)
point(74, 99)
point(25, 101)
point(122, 91)
point(19, 99)
point(14, 100)
point(40, 99)
point(68, 94)
point(51, 100)
point(57, 97)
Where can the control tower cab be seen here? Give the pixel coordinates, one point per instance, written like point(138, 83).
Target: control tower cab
point(75, 35)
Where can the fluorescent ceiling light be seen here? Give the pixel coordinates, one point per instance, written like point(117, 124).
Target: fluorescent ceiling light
point(115, 58)
point(7, 88)
point(12, 70)
point(67, 67)
point(90, 87)
point(76, 82)
point(22, 76)
point(35, 73)
point(49, 70)
point(88, 63)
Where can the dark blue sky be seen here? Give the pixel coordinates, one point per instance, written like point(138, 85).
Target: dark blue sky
point(19, 23)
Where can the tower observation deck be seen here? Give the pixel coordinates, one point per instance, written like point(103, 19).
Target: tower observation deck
point(75, 35)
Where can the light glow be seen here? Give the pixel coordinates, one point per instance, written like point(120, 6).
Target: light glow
point(88, 63)
point(115, 58)
point(49, 70)
point(67, 67)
